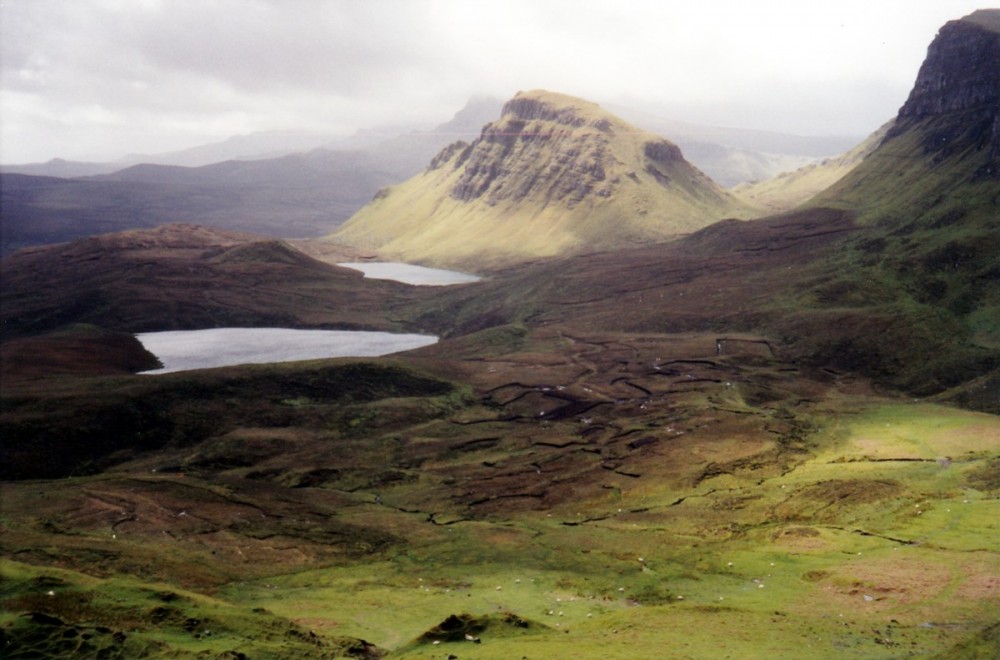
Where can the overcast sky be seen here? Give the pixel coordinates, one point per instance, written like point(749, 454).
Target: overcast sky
point(98, 79)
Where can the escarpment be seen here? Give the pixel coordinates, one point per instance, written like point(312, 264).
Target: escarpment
point(962, 69)
point(569, 164)
point(958, 87)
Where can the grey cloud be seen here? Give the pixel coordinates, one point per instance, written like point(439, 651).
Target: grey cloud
point(172, 73)
point(342, 47)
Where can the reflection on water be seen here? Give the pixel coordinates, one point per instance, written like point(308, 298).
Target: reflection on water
point(181, 350)
point(410, 274)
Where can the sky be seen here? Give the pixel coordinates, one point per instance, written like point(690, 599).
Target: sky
point(100, 79)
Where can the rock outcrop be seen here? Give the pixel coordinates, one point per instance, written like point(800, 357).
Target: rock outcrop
point(537, 131)
point(962, 69)
point(943, 149)
point(959, 84)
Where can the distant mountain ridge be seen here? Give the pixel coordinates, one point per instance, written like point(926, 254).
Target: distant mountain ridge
point(788, 190)
point(554, 175)
point(296, 195)
point(733, 155)
point(299, 184)
point(266, 145)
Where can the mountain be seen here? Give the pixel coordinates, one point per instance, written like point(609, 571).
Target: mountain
point(252, 146)
point(728, 155)
point(655, 119)
point(259, 145)
point(293, 196)
point(945, 142)
point(553, 175)
point(465, 124)
point(289, 197)
point(733, 155)
point(788, 190)
point(893, 272)
point(61, 168)
point(39, 210)
point(347, 164)
point(731, 166)
point(256, 183)
point(766, 427)
point(928, 195)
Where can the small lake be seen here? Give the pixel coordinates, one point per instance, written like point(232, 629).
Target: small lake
point(183, 350)
point(410, 274)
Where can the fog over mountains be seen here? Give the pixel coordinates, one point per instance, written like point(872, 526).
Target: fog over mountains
point(290, 184)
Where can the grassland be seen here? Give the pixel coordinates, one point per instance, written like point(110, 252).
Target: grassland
point(791, 190)
point(547, 494)
point(738, 444)
point(594, 462)
point(555, 175)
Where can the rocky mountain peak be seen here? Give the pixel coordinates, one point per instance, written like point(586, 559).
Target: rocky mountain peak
point(962, 69)
point(960, 78)
point(550, 147)
point(546, 106)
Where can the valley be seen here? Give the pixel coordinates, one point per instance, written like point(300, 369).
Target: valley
point(651, 427)
point(564, 493)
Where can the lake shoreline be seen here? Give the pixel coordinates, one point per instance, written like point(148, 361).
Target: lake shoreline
point(410, 273)
point(186, 350)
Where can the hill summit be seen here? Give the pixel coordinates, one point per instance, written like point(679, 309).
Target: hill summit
point(554, 175)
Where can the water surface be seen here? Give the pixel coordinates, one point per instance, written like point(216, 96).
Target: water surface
point(410, 274)
point(182, 350)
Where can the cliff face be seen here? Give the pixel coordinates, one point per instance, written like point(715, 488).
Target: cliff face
point(961, 72)
point(958, 86)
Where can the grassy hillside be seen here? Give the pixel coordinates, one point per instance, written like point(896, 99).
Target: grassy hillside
point(547, 493)
point(929, 196)
point(792, 189)
point(930, 228)
point(554, 175)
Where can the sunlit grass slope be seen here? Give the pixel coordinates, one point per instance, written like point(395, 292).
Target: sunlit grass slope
point(553, 175)
point(791, 189)
point(924, 268)
point(879, 544)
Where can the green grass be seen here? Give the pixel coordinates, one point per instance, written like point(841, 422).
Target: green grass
point(769, 591)
point(124, 617)
point(830, 528)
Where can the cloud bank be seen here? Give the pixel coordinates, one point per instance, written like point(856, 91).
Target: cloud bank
point(97, 79)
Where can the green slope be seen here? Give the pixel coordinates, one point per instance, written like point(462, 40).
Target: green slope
point(792, 189)
point(929, 196)
point(555, 175)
